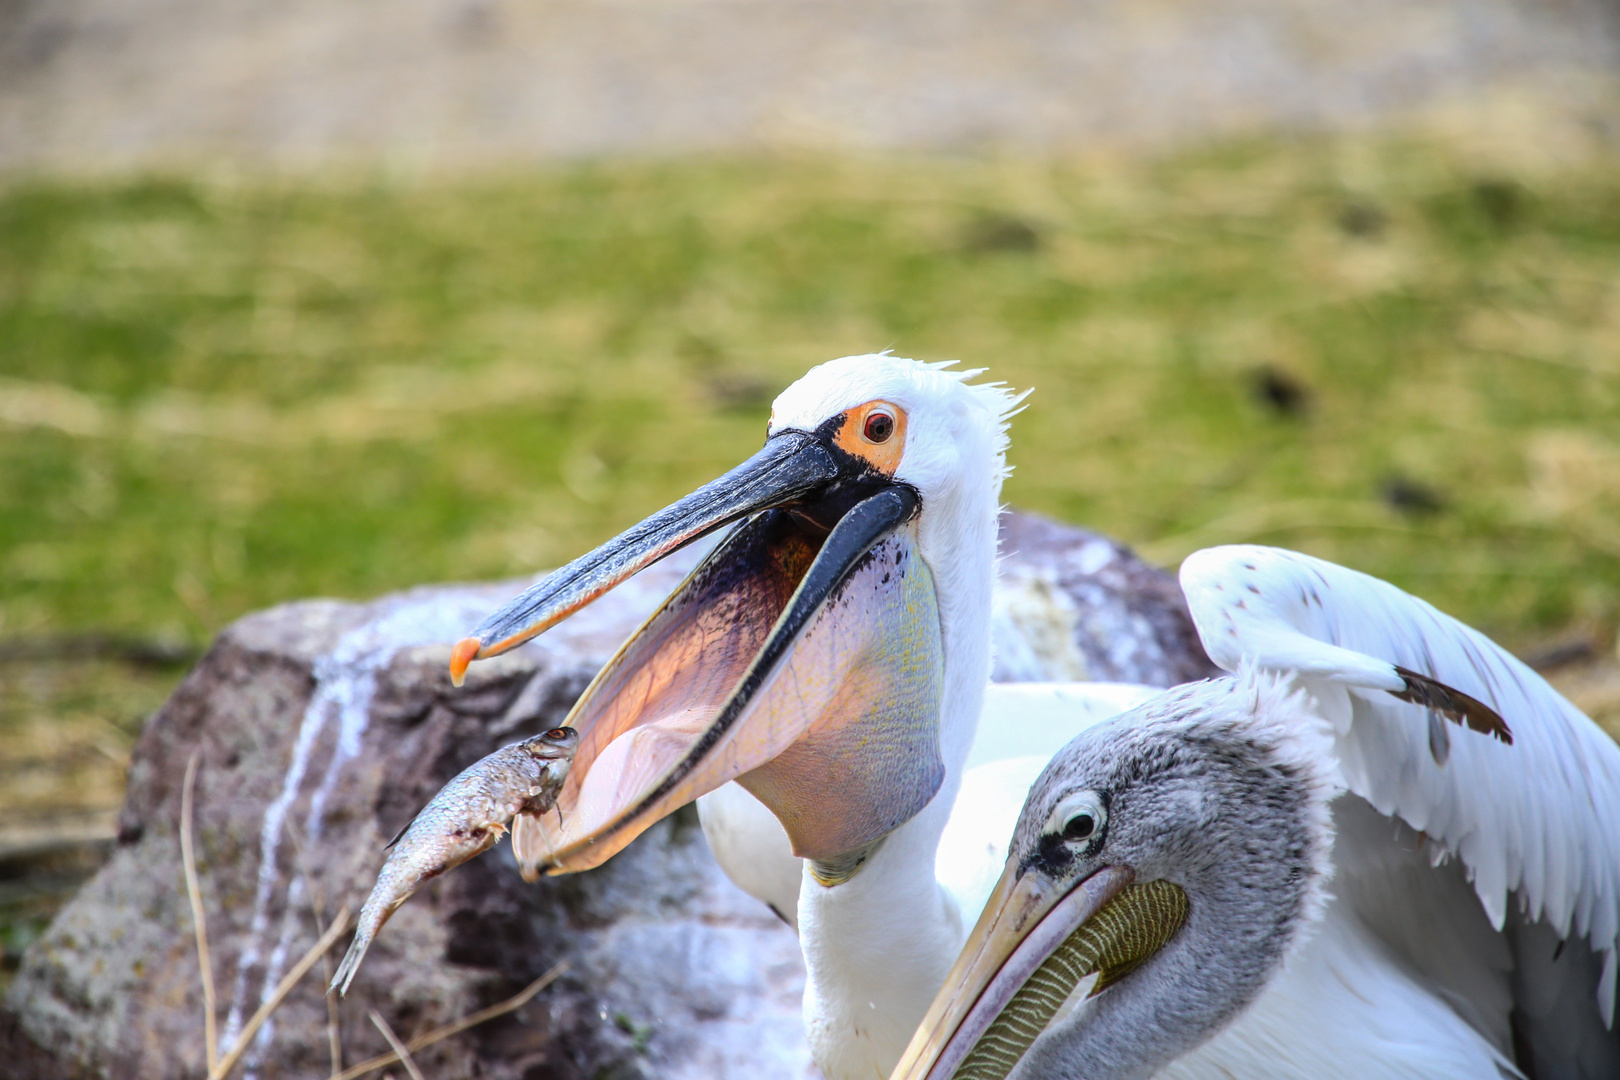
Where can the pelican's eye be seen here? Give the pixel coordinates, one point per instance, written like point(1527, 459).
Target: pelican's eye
point(879, 426)
point(874, 432)
point(1082, 817)
point(1080, 827)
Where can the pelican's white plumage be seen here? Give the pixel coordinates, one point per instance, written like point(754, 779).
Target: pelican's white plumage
point(877, 946)
point(1535, 820)
point(1348, 1006)
point(1470, 929)
point(851, 706)
point(1539, 819)
point(1021, 725)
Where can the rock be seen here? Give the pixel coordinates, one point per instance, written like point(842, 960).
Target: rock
point(323, 726)
point(1072, 604)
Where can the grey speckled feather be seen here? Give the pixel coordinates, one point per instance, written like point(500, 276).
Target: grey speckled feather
point(1221, 788)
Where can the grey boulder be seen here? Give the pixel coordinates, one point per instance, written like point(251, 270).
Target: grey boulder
point(323, 726)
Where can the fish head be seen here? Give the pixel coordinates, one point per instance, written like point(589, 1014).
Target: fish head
point(558, 744)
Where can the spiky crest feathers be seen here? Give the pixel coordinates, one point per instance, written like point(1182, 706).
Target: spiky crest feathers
point(837, 385)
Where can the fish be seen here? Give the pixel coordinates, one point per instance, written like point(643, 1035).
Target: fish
point(467, 817)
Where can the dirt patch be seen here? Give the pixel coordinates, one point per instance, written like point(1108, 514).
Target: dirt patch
point(462, 83)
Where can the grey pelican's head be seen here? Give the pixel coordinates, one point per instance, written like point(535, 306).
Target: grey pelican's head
point(806, 655)
point(1176, 853)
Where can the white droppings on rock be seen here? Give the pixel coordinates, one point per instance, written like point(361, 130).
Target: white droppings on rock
point(1093, 556)
point(345, 683)
point(1032, 629)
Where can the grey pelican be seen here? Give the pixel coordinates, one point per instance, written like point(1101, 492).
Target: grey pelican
point(1166, 909)
point(830, 655)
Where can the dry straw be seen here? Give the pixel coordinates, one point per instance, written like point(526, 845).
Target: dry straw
point(400, 1052)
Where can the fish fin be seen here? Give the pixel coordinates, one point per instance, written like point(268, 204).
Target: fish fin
point(364, 935)
point(529, 844)
point(401, 834)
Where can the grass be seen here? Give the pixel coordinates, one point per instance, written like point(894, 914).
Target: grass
point(217, 395)
point(223, 395)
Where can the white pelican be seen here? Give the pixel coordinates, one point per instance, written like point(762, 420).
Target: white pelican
point(1471, 929)
point(830, 655)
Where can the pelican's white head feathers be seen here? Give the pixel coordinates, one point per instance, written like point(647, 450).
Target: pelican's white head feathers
point(956, 431)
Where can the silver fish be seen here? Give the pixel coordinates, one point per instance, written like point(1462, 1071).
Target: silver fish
point(466, 818)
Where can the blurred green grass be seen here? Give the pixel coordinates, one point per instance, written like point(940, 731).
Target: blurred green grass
point(217, 395)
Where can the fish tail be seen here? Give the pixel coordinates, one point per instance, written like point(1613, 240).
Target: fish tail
point(351, 964)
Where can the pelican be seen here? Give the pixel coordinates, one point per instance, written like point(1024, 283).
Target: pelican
point(1302, 870)
point(830, 655)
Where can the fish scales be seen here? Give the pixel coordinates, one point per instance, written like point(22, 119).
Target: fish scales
point(467, 817)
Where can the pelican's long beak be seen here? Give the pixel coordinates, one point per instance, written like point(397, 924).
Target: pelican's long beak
point(790, 467)
point(803, 656)
point(1034, 943)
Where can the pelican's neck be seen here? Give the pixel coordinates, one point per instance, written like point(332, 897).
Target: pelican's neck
point(876, 949)
point(878, 946)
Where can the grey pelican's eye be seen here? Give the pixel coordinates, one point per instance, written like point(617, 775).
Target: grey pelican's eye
point(1081, 816)
point(879, 426)
point(1080, 827)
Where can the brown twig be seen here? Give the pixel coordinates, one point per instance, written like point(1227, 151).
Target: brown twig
point(334, 1033)
point(403, 1054)
point(334, 1037)
point(370, 1065)
point(317, 908)
point(194, 893)
point(339, 927)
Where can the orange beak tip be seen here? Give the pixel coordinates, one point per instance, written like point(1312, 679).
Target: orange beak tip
point(464, 652)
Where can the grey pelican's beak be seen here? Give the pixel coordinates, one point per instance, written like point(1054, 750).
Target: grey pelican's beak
point(802, 657)
point(1035, 942)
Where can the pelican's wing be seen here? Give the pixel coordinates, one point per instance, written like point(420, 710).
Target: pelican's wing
point(1021, 726)
point(973, 848)
point(1539, 816)
point(752, 849)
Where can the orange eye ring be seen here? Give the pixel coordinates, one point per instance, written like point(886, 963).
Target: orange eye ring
point(876, 433)
point(879, 426)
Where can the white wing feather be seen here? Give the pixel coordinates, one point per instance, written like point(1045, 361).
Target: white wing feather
point(752, 849)
point(1540, 817)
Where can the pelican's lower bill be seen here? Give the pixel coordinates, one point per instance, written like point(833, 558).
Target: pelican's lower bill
point(1110, 944)
point(776, 663)
point(1029, 951)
